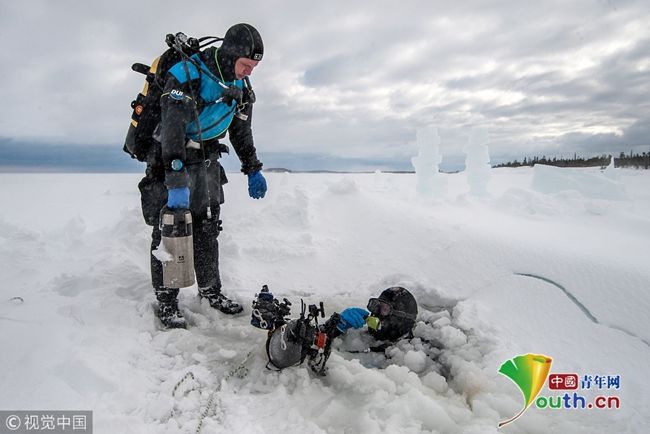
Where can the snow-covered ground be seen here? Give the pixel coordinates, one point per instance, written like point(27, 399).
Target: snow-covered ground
point(552, 262)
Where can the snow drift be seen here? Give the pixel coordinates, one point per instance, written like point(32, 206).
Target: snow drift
point(548, 262)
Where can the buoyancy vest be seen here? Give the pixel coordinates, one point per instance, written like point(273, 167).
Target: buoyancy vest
point(214, 116)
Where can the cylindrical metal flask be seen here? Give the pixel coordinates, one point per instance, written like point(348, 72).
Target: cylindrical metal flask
point(177, 241)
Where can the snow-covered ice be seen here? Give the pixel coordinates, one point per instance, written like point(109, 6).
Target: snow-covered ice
point(547, 263)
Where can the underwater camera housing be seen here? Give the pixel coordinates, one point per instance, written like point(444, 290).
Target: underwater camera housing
point(290, 342)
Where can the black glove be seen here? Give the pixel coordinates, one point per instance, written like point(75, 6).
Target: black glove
point(232, 93)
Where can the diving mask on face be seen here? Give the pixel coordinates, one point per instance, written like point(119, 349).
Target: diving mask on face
point(381, 308)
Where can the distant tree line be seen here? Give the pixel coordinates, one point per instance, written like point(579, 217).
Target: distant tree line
point(637, 161)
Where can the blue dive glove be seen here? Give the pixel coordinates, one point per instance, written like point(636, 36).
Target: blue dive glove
point(256, 185)
point(352, 317)
point(178, 198)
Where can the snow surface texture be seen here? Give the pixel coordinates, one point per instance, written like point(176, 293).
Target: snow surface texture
point(545, 264)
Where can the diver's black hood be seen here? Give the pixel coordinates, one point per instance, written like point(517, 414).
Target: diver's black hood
point(241, 40)
point(394, 327)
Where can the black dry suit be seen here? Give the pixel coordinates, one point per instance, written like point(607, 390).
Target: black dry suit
point(192, 92)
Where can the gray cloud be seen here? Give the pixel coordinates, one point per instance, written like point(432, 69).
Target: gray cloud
point(350, 80)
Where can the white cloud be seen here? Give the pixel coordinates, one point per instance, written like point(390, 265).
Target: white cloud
point(349, 79)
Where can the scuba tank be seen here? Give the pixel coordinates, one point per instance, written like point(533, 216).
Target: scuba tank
point(177, 241)
point(146, 106)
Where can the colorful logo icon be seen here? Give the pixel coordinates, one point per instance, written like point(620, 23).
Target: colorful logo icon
point(529, 373)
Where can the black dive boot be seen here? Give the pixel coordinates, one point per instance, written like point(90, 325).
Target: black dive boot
point(219, 301)
point(168, 312)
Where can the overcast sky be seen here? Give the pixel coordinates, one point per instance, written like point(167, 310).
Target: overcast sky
point(350, 79)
